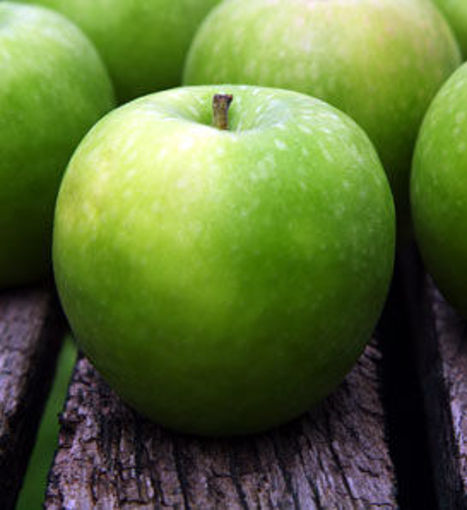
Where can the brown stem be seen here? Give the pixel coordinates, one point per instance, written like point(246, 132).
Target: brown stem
point(220, 110)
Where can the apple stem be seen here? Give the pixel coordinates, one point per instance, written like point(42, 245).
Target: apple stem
point(220, 110)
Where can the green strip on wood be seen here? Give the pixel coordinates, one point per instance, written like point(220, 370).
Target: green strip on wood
point(32, 492)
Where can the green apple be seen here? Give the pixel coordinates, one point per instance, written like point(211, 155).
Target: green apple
point(223, 280)
point(380, 61)
point(53, 88)
point(142, 42)
point(439, 189)
point(456, 14)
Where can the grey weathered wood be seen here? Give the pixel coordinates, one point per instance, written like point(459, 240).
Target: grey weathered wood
point(335, 457)
point(441, 354)
point(31, 328)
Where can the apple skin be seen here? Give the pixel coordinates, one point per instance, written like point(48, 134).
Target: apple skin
point(455, 12)
point(224, 281)
point(142, 42)
point(380, 61)
point(439, 190)
point(53, 88)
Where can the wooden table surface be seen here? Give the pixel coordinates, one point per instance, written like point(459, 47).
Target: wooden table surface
point(393, 435)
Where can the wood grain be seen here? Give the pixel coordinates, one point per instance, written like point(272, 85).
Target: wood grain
point(441, 361)
point(335, 457)
point(31, 328)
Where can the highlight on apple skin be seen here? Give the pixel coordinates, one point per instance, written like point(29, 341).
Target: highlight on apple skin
point(54, 87)
point(380, 61)
point(224, 280)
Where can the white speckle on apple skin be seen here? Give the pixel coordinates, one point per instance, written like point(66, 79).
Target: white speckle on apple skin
point(193, 110)
point(326, 153)
point(282, 146)
point(186, 144)
point(162, 153)
point(460, 117)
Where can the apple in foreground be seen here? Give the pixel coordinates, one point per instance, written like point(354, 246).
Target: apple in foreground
point(380, 61)
point(142, 42)
point(439, 190)
point(455, 12)
point(53, 88)
point(224, 280)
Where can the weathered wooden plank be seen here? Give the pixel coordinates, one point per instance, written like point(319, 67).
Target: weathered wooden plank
point(335, 457)
point(440, 337)
point(31, 328)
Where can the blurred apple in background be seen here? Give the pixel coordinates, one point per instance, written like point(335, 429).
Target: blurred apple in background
point(439, 190)
point(224, 280)
point(143, 42)
point(455, 12)
point(53, 88)
point(380, 61)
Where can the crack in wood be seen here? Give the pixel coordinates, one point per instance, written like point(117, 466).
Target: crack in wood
point(31, 330)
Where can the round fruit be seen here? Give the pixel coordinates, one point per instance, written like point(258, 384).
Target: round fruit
point(142, 42)
point(53, 88)
point(439, 189)
point(224, 280)
point(456, 14)
point(380, 61)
